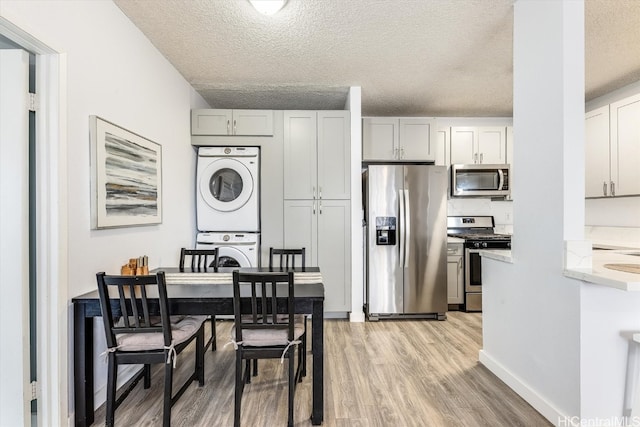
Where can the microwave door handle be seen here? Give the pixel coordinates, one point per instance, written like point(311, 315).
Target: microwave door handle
point(401, 226)
point(501, 179)
point(407, 227)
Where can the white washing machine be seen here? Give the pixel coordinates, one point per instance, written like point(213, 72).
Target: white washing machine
point(234, 249)
point(228, 184)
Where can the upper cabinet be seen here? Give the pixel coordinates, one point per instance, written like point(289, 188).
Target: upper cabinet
point(389, 138)
point(612, 151)
point(597, 176)
point(232, 122)
point(478, 145)
point(317, 155)
point(625, 147)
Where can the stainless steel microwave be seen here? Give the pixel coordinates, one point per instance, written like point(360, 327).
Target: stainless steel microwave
point(480, 180)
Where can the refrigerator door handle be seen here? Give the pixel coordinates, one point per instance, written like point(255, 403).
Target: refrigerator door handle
point(407, 227)
point(401, 225)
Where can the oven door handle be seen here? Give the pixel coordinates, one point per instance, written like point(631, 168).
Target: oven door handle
point(401, 226)
point(407, 228)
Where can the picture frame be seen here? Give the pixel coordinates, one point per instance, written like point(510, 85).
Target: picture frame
point(126, 181)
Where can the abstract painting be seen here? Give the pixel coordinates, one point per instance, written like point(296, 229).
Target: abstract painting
point(127, 177)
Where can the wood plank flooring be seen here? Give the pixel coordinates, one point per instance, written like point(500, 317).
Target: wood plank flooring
point(380, 374)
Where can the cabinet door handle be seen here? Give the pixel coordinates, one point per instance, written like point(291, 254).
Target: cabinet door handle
point(234, 127)
point(320, 205)
point(320, 192)
point(314, 191)
point(475, 158)
point(613, 188)
point(604, 188)
point(402, 153)
point(228, 127)
point(314, 208)
point(460, 264)
point(481, 157)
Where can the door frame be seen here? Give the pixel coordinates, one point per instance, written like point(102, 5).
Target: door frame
point(53, 325)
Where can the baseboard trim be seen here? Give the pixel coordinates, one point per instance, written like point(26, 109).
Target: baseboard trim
point(538, 402)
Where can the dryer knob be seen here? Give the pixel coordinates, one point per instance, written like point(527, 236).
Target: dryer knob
point(227, 150)
point(226, 238)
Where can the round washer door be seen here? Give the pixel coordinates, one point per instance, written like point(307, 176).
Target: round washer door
point(226, 185)
point(228, 256)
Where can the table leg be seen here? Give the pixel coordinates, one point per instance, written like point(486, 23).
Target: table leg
point(317, 343)
point(82, 366)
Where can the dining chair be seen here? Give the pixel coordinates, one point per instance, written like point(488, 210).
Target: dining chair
point(202, 260)
point(136, 337)
point(285, 259)
point(267, 329)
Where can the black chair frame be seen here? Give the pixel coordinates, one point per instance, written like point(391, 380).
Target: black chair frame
point(133, 307)
point(202, 260)
point(272, 296)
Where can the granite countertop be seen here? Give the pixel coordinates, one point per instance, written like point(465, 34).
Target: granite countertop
point(601, 275)
point(597, 274)
point(454, 240)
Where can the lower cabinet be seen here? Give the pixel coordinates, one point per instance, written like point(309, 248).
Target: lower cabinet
point(455, 274)
point(323, 228)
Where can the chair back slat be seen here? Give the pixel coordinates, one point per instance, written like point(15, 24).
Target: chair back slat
point(201, 259)
point(132, 303)
point(286, 258)
point(265, 290)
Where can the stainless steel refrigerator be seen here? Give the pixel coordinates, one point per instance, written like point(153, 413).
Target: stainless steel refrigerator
point(405, 208)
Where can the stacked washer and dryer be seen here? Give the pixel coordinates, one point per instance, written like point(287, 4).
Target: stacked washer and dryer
point(228, 204)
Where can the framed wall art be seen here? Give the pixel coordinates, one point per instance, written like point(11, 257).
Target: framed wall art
point(126, 187)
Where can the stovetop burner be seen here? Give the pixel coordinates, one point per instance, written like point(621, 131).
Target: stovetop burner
point(477, 232)
point(481, 236)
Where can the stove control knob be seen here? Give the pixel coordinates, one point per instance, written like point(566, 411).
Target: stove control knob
point(484, 244)
point(509, 245)
point(476, 244)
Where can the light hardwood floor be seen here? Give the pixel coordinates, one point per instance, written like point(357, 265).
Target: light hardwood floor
point(386, 373)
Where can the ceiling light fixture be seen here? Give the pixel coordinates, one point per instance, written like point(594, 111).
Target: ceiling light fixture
point(268, 7)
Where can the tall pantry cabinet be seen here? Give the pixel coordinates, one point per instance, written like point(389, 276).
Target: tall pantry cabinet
point(317, 197)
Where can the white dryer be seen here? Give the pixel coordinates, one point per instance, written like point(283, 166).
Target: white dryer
point(228, 183)
point(234, 249)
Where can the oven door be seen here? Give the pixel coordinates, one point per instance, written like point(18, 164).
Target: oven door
point(473, 280)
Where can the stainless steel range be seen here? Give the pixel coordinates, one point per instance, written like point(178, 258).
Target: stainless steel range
point(478, 233)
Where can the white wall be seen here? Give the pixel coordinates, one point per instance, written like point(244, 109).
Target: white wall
point(116, 73)
point(531, 313)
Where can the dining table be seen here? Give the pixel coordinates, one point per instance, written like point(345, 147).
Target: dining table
point(205, 292)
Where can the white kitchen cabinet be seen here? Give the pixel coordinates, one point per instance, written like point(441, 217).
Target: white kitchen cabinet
point(317, 158)
point(597, 162)
point(625, 147)
point(455, 273)
point(232, 122)
point(478, 145)
point(612, 149)
point(317, 155)
point(442, 140)
point(323, 228)
point(392, 138)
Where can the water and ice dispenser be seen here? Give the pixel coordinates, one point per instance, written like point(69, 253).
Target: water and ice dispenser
point(385, 230)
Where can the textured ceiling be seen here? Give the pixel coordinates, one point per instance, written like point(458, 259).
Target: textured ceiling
point(411, 57)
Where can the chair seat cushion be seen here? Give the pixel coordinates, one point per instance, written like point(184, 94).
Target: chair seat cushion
point(181, 331)
point(270, 337)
